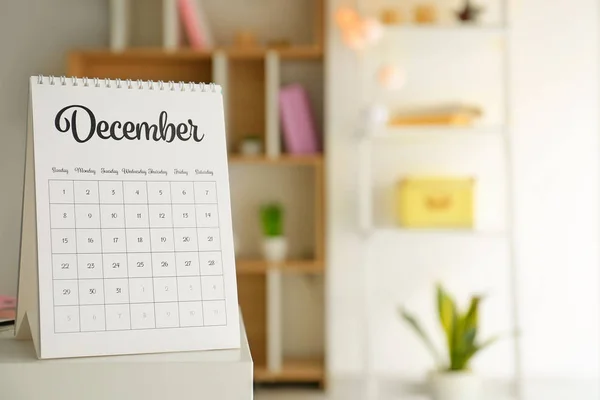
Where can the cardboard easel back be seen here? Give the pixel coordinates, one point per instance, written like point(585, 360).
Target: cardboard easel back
point(27, 322)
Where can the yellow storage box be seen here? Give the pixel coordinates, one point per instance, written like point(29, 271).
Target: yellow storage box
point(435, 202)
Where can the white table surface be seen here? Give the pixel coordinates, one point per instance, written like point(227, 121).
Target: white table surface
point(221, 374)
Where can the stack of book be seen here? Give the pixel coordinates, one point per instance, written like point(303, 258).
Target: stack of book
point(8, 310)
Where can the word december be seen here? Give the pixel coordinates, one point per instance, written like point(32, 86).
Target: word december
point(117, 130)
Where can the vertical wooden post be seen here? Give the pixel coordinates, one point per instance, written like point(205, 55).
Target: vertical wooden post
point(319, 24)
point(274, 321)
point(119, 24)
point(273, 139)
point(319, 172)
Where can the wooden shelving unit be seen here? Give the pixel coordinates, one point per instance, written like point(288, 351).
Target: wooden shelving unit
point(250, 79)
point(309, 160)
point(296, 370)
point(292, 266)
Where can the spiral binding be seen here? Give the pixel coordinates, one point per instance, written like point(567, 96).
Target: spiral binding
point(128, 84)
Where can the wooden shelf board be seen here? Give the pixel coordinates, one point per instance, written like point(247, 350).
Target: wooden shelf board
point(433, 132)
point(291, 266)
point(187, 54)
point(284, 159)
point(458, 232)
point(444, 28)
point(310, 370)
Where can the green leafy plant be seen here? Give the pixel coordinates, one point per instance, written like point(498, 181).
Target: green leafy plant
point(272, 219)
point(460, 330)
point(252, 138)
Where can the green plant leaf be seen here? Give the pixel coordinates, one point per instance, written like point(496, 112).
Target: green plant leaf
point(448, 320)
point(428, 343)
point(271, 216)
point(472, 351)
point(465, 333)
point(469, 337)
point(471, 318)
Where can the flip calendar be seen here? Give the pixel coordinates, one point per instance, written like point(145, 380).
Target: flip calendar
point(127, 243)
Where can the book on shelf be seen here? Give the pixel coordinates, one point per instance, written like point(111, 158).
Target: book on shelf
point(449, 115)
point(8, 308)
point(299, 131)
point(195, 23)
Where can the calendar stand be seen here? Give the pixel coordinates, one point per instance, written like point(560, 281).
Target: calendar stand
point(219, 374)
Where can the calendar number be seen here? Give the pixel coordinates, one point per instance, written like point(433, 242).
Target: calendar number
point(64, 191)
point(64, 215)
point(66, 292)
point(207, 192)
point(188, 263)
point(164, 264)
point(118, 290)
point(87, 192)
point(113, 215)
point(91, 265)
point(92, 291)
point(139, 215)
point(186, 215)
point(161, 215)
point(211, 262)
point(137, 192)
point(160, 192)
point(140, 240)
point(64, 266)
point(116, 265)
point(140, 264)
point(89, 215)
point(113, 192)
point(90, 240)
point(65, 240)
point(163, 239)
point(183, 192)
point(115, 240)
point(209, 238)
point(186, 239)
point(207, 215)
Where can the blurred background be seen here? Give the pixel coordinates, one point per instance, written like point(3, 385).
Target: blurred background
point(378, 148)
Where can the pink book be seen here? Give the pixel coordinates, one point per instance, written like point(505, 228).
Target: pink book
point(299, 132)
point(190, 17)
point(8, 306)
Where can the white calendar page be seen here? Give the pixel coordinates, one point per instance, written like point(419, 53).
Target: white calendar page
point(134, 233)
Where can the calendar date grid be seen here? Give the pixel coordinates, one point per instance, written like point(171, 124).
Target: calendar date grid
point(131, 255)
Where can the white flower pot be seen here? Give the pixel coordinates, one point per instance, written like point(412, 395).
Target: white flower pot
point(455, 386)
point(251, 147)
point(275, 248)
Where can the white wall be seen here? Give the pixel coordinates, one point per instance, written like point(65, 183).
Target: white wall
point(554, 83)
point(35, 36)
point(556, 110)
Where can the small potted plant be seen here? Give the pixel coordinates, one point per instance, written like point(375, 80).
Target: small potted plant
point(453, 378)
point(274, 241)
point(251, 145)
